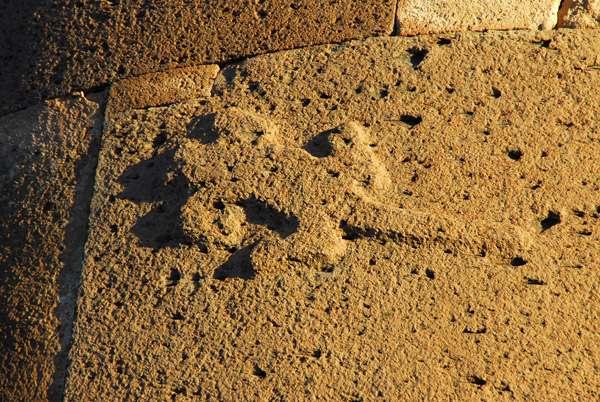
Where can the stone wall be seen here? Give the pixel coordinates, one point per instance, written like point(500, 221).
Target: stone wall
point(286, 200)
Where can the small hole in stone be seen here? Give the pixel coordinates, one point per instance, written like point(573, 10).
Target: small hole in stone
point(259, 372)
point(417, 56)
point(411, 120)
point(327, 269)
point(515, 154)
point(552, 219)
point(532, 281)
point(429, 273)
point(517, 262)
point(174, 277)
point(477, 380)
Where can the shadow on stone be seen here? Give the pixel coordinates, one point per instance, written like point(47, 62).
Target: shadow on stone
point(259, 212)
point(239, 265)
point(157, 180)
point(203, 129)
point(319, 145)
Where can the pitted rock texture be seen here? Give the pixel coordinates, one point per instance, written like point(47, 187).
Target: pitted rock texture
point(54, 47)
point(416, 17)
point(390, 219)
point(159, 89)
point(48, 156)
point(579, 14)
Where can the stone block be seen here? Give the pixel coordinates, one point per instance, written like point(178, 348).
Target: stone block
point(48, 156)
point(397, 218)
point(52, 48)
point(417, 17)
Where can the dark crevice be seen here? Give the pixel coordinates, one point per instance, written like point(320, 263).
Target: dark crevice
point(396, 25)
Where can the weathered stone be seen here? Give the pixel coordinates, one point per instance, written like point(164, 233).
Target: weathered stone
point(48, 156)
point(54, 47)
point(579, 14)
point(426, 16)
point(396, 218)
point(159, 89)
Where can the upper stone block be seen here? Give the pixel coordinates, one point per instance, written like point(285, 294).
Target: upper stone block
point(51, 49)
point(579, 14)
point(425, 16)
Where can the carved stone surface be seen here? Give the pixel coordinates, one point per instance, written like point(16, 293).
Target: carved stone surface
point(396, 218)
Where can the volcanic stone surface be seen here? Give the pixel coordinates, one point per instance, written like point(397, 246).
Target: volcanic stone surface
point(389, 219)
point(48, 156)
point(51, 48)
point(159, 89)
point(425, 16)
point(579, 14)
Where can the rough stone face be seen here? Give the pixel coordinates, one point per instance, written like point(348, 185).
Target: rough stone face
point(52, 48)
point(426, 16)
point(158, 89)
point(396, 218)
point(579, 14)
point(47, 162)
